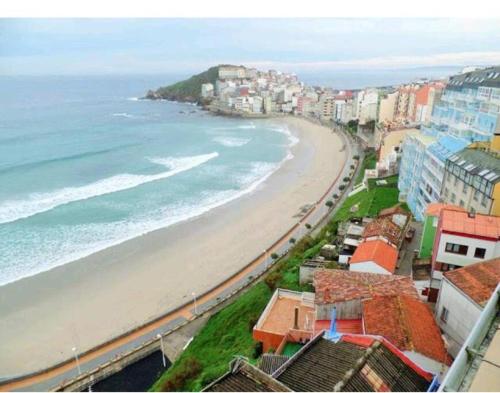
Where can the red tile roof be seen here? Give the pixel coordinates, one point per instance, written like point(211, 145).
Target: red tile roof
point(378, 251)
point(406, 322)
point(477, 281)
point(334, 286)
point(479, 225)
point(434, 209)
point(385, 228)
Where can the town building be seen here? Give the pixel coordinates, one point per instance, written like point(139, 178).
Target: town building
point(288, 317)
point(387, 108)
point(409, 324)
point(467, 111)
point(207, 90)
point(462, 298)
point(462, 239)
point(374, 256)
point(232, 72)
point(431, 219)
point(344, 290)
point(472, 178)
point(367, 105)
point(475, 369)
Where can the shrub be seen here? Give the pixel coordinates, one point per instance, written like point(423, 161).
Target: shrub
point(329, 203)
point(335, 196)
point(353, 166)
point(341, 187)
point(252, 321)
point(274, 255)
point(308, 226)
point(356, 157)
point(189, 369)
point(272, 280)
point(346, 179)
point(257, 350)
point(292, 240)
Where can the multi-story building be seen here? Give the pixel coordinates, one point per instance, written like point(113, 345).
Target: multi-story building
point(232, 72)
point(207, 90)
point(387, 109)
point(462, 239)
point(413, 153)
point(472, 178)
point(467, 111)
point(366, 105)
point(425, 97)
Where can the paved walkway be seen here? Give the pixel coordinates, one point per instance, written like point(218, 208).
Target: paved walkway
point(111, 350)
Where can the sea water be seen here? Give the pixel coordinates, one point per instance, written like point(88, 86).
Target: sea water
point(85, 164)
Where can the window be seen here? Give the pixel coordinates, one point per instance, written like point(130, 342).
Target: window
point(465, 188)
point(476, 195)
point(453, 198)
point(446, 192)
point(444, 314)
point(455, 183)
point(462, 203)
point(484, 200)
point(456, 248)
point(480, 252)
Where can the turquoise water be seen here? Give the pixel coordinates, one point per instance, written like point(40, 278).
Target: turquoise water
point(85, 165)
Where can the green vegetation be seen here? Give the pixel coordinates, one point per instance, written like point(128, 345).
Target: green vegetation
point(352, 126)
point(188, 90)
point(392, 181)
point(368, 163)
point(229, 332)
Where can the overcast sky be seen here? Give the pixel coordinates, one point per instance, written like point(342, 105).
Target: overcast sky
point(121, 46)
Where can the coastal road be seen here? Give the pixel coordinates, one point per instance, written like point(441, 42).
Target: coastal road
point(94, 358)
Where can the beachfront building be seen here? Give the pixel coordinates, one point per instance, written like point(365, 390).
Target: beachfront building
point(231, 72)
point(387, 108)
point(425, 97)
point(366, 105)
point(413, 152)
point(472, 178)
point(462, 297)
point(462, 239)
point(467, 111)
point(207, 90)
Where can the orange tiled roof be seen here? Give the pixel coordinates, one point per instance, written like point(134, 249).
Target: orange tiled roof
point(383, 227)
point(476, 225)
point(434, 209)
point(377, 251)
point(334, 286)
point(478, 281)
point(406, 322)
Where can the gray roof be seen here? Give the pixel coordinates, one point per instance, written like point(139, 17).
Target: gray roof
point(487, 77)
point(323, 365)
point(269, 362)
point(478, 162)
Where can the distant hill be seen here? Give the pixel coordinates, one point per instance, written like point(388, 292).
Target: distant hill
point(188, 90)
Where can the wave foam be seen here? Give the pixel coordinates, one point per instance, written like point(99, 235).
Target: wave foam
point(285, 130)
point(124, 114)
point(41, 202)
point(231, 142)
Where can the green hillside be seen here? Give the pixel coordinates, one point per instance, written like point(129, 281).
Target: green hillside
point(188, 90)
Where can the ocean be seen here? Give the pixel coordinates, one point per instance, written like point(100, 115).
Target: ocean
point(85, 165)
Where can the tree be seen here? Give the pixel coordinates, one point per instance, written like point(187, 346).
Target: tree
point(356, 157)
point(335, 196)
point(308, 226)
point(353, 166)
point(341, 187)
point(329, 203)
point(292, 240)
point(346, 179)
point(274, 255)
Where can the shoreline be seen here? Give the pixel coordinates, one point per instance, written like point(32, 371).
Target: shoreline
point(122, 281)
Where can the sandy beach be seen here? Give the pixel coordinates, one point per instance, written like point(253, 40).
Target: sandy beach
point(92, 300)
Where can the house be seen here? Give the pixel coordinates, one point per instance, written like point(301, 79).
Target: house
point(353, 363)
point(475, 368)
point(374, 256)
point(431, 218)
point(462, 239)
point(462, 297)
point(344, 290)
point(409, 324)
point(288, 317)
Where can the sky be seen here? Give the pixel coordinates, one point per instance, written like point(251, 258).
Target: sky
point(151, 46)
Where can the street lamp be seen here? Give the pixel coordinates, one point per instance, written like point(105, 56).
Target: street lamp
point(195, 305)
point(77, 361)
point(160, 337)
point(265, 260)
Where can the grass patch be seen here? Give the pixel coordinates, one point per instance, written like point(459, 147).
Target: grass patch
point(369, 162)
point(392, 181)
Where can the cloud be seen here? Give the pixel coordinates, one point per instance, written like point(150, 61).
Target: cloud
point(390, 62)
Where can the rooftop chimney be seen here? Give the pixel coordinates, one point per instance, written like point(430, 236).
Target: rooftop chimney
point(296, 319)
